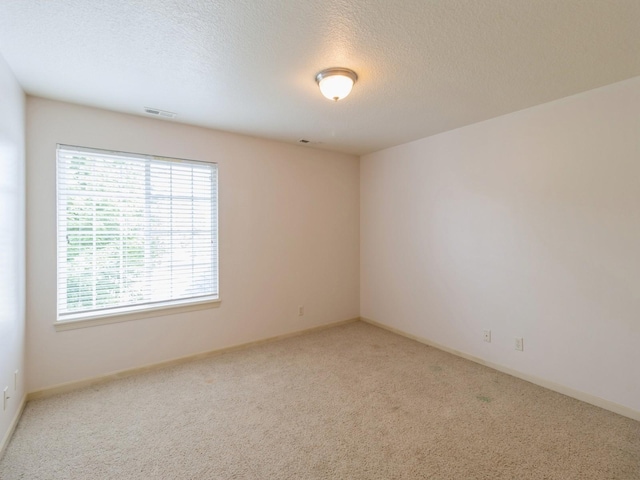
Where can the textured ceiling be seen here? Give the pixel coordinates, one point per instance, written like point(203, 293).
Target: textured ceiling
point(247, 66)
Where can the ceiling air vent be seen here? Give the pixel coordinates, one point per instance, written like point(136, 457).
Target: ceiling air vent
point(159, 113)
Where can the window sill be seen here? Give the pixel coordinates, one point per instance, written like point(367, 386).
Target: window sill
point(158, 311)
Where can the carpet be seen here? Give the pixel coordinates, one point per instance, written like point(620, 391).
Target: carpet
point(350, 402)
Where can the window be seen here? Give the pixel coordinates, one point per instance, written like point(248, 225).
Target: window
point(135, 232)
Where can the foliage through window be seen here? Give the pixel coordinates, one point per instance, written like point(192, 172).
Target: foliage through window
point(134, 232)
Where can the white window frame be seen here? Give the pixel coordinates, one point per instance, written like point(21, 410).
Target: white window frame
point(144, 310)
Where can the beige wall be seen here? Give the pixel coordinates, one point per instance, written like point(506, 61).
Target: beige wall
point(528, 225)
point(12, 321)
point(289, 233)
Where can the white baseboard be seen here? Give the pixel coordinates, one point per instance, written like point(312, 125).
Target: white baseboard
point(12, 427)
point(75, 385)
point(556, 387)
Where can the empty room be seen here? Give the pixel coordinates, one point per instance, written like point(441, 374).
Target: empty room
point(349, 239)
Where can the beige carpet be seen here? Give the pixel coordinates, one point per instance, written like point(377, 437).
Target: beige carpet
point(351, 402)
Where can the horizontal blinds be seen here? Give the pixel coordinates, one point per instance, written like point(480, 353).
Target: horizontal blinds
point(134, 230)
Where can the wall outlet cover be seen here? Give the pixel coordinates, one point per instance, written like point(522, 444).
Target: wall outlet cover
point(487, 336)
point(519, 344)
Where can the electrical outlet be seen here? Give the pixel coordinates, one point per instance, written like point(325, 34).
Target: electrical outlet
point(519, 344)
point(300, 311)
point(6, 398)
point(487, 336)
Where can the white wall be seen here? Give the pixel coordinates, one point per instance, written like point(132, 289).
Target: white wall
point(12, 321)
point(528, 225)
point(289, 236)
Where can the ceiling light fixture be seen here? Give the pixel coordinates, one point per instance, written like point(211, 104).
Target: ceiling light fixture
point(336, 83)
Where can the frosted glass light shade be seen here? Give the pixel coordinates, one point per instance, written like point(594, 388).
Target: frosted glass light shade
point(336, 83)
